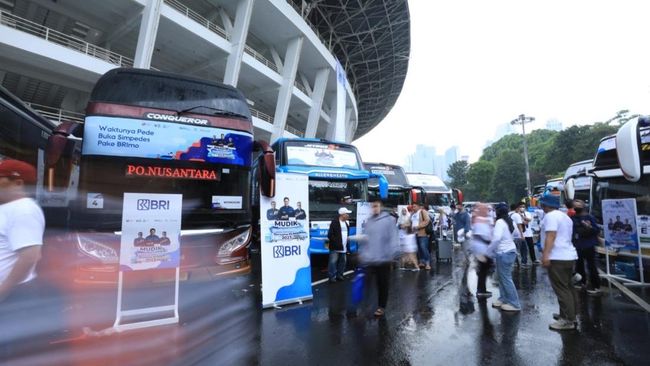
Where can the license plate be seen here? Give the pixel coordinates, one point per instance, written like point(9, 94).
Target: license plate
point(183, 276)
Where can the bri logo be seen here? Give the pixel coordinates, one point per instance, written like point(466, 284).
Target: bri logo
point(146, 205)
point(281, 251)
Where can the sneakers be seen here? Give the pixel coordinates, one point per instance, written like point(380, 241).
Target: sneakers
point(562, 324)
point(510, 308)
point(497, 304)
point(340, 278)
point(332, 280)
point(485, 294)
point(537, 261)
point(577, 278)
point(578, 286)
point(594, 292)
point(427, 268)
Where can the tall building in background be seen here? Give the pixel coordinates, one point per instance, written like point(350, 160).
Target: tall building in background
point(452, 155)
point(423, 160)
point(554, 125)
point(504, 130)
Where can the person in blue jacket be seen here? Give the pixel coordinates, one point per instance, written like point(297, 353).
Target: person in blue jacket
point(585, 239)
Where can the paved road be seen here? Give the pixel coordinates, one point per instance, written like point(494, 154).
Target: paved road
point(430, 321)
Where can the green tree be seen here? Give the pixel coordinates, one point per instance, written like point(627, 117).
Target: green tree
point(479, 181)
point(509, 182)
point(457, 172)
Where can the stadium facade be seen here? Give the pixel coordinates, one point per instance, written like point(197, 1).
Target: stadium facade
point(323, 68)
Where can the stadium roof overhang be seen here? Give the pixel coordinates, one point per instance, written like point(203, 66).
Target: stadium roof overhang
point(372, 40)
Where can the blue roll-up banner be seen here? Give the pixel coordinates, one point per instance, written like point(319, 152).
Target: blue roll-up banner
point(284, 225)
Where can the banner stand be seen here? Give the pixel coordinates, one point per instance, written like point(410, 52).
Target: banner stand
point(626, 281)
point(122, 314)
point(606, 211)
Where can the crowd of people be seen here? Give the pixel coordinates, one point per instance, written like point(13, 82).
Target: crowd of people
point(497, 238)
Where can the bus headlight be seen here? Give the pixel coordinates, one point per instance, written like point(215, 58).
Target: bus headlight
point(97, 250)
point(234, 244)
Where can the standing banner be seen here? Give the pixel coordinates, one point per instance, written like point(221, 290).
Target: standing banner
point(150, 239)
point(643, 222)
point(364, 211)
point(619, 219)
point(284, 225)
point(620, 222)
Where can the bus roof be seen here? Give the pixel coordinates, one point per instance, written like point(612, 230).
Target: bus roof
point(162, 90)
point(427, 181)
point(393, 173)
point(606, 158)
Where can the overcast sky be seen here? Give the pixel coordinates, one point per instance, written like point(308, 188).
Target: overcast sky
point(476, 64)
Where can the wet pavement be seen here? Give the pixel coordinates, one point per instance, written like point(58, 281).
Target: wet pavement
point(430, 320)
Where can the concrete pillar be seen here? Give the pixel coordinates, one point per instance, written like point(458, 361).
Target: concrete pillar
point(351, 125)
point(320, 85)
point(238, 41)
point(147, 35)
point(291, 60)
point(341, 98)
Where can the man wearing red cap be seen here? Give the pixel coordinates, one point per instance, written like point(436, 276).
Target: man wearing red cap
point(21, 228)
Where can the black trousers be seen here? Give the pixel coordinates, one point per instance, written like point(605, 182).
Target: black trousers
point(587, 256)
point(382, 274)
point(483, 271)
point(531, 249)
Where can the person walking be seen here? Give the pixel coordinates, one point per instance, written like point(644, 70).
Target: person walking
point(585, 239)
point(419, 221)
point(518, 235)
point(22, 225)
point(559, 256)
point(407, 240)
point(338, 235)
point(378, 251)
point(504, 249)
point(481, 238)
point(462, 221)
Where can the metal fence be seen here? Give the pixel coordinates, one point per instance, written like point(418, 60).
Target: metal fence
point(57, 115)
point(181, 8)
point(62, 39)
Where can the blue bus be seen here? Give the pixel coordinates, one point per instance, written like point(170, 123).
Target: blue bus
point(337, 178)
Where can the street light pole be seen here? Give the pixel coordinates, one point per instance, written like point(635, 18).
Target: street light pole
point(522, 120)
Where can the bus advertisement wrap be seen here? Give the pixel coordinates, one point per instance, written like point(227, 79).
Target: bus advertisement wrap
point(151, 231)
point(128, 137)
point(286, 271)
point(619, 218)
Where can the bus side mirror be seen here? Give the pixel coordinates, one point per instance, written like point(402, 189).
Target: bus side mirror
point(570, 189)
point(266, 169)
point(383, 185)
point(628, 143)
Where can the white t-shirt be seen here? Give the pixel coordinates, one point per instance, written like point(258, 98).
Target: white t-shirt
point(516, 220)
point(528, 233)
point(502, 241)
point(344, 235)
point(415, 220)
point(21, 225)
point(563, 249)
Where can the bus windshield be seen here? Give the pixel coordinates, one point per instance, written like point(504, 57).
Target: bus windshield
point(204, 154)
point(395, 197)
point(327, 155)
point(326, 197)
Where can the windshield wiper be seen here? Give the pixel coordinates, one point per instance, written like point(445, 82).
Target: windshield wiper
point(217, 111)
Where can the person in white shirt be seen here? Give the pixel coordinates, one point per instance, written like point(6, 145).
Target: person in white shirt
point(518, 234)
point(559, 256)
point(528, 236)
point(481, 239)
point(504, 249)
point(21, 229)
point(337, 237)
